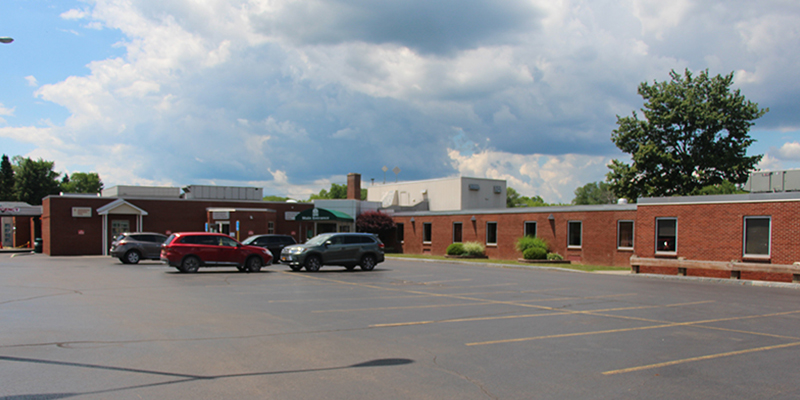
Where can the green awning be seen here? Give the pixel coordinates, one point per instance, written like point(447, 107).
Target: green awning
point(322, 214)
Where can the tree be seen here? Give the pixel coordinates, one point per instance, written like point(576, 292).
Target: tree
point(7, 180)
point(275, 198)
point(337, 192)
point(695, 134)
point(726, 187)
point(82, 182)
point(514, 199)
point(35, 180)
point(374, 222)
point(594, 193)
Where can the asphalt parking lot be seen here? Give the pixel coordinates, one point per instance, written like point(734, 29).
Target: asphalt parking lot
point(93, 328)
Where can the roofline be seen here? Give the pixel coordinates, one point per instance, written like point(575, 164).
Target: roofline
point(434, 180)
point(524, 210)
point(72, 196)
point(721, 199)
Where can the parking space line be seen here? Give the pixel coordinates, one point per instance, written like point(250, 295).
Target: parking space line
point(700, 358)
point(471, 319)
point(663, 325)
point(400, 307)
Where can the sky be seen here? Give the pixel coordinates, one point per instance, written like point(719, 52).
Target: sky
point(293, 95)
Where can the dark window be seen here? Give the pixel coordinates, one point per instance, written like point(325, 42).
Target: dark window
point(530, 229)
point(427, 232)
point(574, 233)
point(457, 232)
point(625, 234)
point(491, 233)
point(401, 234)
point(666, 235)
point(757, 236)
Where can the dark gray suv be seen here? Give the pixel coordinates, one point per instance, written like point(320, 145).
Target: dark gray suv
point(132, 247)
point(344, 249)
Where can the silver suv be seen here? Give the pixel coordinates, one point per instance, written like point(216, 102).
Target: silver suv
point(132, 247)
point(344, 249)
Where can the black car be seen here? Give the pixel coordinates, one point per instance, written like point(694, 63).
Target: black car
point(345, 249)
point(132, 247)
point(275, 243)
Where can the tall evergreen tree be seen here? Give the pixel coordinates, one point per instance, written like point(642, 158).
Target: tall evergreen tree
point(35, 180)
point(7, 180)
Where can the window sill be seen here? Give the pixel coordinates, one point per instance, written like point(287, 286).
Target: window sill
point(573, 247)
point(667, 255)
point(757, 259)
point(491, 244)
point(624, 248)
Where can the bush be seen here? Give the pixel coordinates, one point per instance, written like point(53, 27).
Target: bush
point(528, 242)
point(455, 249)
point(534, 253)
point(473, 249)
point(554, 257)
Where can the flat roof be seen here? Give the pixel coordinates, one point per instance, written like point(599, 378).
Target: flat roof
point(721, 198)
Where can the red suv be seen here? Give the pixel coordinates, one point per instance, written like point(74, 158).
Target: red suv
point(188, 251)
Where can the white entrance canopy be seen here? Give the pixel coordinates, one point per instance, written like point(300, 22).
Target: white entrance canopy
point(119, 206)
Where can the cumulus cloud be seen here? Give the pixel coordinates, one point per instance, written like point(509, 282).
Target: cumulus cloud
point(790, 151)
point(293, 95)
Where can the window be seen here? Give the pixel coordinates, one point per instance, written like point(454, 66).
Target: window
point(666, 235)
point(271, 227)
point(427, 233)
point(530, 229)
point(574, 233)
point(625, 235)
point(491, 233)
point(457, 232)
point(401, 233)
point(757, 236)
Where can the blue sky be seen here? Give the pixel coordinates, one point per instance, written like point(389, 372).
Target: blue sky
point(291, 96)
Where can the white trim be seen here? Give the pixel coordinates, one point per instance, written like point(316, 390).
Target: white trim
point(633, 234)
point(106, 209)
point(453, 236)
point(496, 228)
point(535, 227)
point(744, 237)
point(669, 253)
point(572, 246)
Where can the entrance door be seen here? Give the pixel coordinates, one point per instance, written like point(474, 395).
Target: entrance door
point(324, 227)
point(224, 227)
point(119, 226)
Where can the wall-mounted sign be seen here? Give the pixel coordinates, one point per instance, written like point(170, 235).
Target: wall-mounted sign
point(82, 212)
point(290, 215)
point(220, 215)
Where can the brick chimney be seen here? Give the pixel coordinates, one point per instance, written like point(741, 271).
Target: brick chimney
point(353, 186)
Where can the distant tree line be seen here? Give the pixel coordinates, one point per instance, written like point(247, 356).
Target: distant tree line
point(30, 181)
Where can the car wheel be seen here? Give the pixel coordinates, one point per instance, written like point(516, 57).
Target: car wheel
point(296, 267)
point(132, 257)
point(368, 263)
point(313, 264)
point(253, 264)
point(190, 264)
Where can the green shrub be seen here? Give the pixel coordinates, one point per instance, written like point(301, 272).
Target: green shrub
point(473, 249)
point(534, 253)
point(455, 249)
point(554, 257)
point(527, 242)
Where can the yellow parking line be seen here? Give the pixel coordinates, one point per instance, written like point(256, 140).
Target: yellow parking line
point(400, 307)
point(665, 325)
point(701, 358)
point(391, 325)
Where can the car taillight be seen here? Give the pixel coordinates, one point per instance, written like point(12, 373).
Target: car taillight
point(381, 245)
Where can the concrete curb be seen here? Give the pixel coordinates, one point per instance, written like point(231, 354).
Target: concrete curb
point(738, 282)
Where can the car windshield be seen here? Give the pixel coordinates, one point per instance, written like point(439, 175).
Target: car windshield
point(249, 240)
point(318, 240)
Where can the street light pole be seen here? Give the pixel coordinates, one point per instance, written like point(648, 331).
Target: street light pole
point(6, 40)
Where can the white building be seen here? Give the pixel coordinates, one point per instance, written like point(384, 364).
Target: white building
point(444, 194)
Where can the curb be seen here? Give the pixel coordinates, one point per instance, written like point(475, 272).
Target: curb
point(721, 281)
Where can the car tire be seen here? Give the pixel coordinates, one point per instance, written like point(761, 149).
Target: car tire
point(254, 264)
point(132, 257)
point(295, 267)
point(190, 264)
point(368, 262)
point(313, 263)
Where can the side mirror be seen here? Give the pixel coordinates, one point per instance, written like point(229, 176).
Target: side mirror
point(328, 243)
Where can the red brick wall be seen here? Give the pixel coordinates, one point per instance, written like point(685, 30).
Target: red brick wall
point(62, 233)
point(715, 232)
point(598, 242)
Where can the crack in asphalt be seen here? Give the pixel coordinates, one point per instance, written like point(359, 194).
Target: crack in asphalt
point(475, 382)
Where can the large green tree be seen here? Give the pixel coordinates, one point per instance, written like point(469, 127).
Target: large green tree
point(82, 182)
point(35, 180)
point(514, 199)
point(694, 134)
point(594, 193)
point(337, 192)
point(7, 180)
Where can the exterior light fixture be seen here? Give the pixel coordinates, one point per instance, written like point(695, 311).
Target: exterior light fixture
point(551, 217)
point(473, 219)
point(412, 220)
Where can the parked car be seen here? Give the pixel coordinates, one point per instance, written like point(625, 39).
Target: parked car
point(344, 249)
point(131, 247)
point(188, 251)
point(275, 243)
